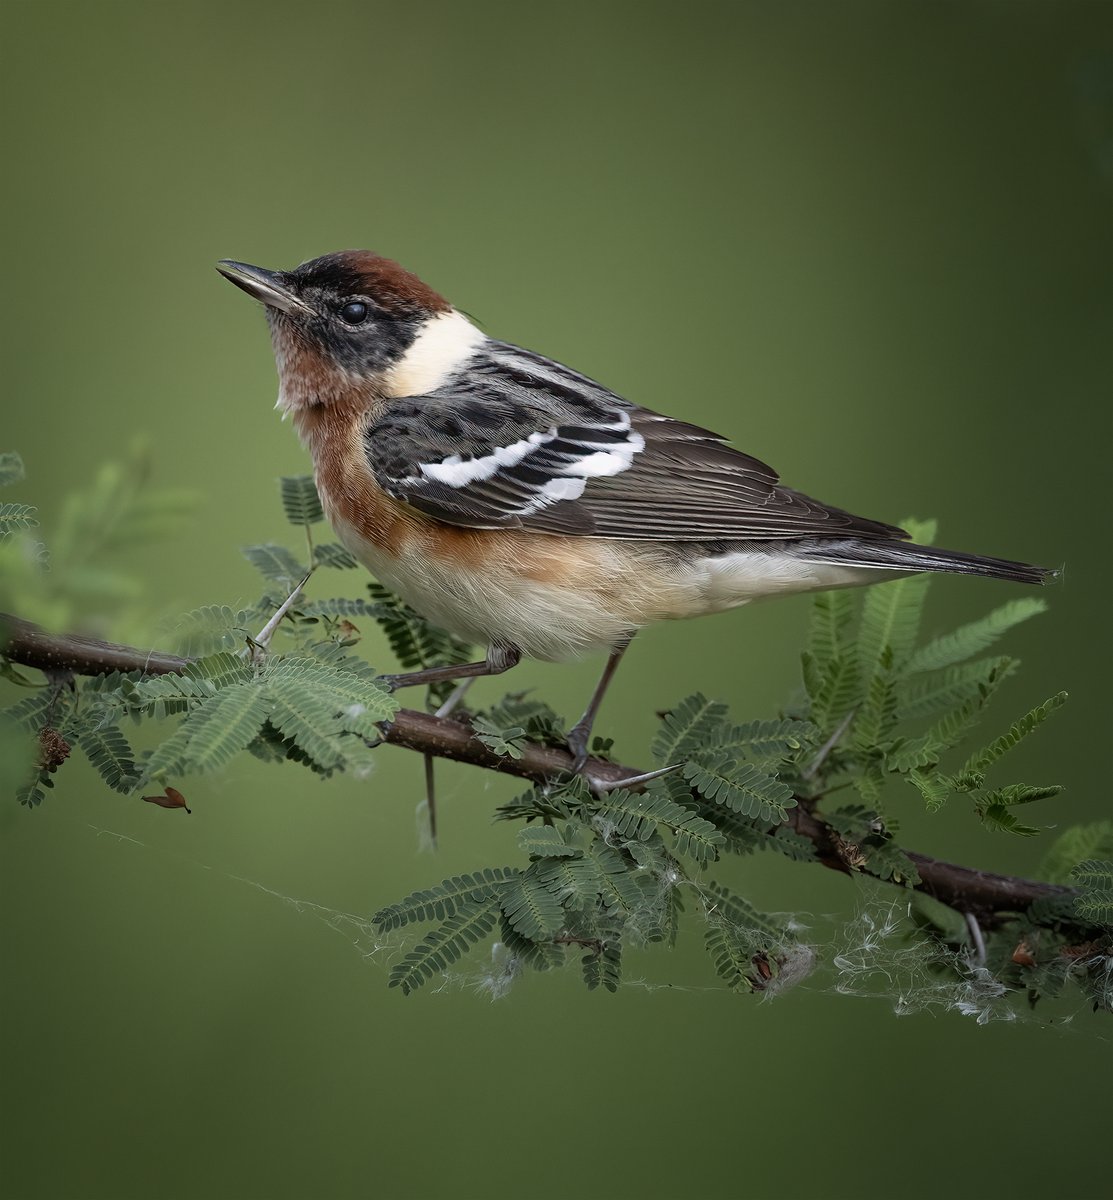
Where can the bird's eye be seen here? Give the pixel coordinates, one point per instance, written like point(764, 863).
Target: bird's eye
point(354, 312)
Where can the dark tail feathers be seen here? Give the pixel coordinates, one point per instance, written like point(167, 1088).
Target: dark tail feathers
point(907, 556)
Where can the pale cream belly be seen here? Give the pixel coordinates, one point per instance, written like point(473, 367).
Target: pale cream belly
point(553, 604)
point(555, 597)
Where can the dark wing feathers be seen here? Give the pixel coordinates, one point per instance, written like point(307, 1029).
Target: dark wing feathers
point(523, 442)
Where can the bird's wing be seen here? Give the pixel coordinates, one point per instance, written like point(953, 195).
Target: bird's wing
point(527, 443)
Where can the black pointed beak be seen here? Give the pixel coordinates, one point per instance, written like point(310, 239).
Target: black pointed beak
point(267, 286)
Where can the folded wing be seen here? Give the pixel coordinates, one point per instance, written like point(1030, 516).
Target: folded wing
point(527, 443)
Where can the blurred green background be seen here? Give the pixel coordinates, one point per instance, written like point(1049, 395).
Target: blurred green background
point(871, 241)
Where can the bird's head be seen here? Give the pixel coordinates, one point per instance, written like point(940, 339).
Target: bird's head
point(353, 327)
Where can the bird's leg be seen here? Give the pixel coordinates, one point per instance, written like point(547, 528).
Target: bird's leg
point(580, 734)
point(501, 656)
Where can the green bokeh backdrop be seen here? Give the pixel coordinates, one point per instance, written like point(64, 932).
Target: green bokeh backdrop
point(869, 240)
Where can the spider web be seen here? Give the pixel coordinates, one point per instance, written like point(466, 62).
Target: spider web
point(875, 954)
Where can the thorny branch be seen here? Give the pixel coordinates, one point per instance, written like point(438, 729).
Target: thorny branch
point(981, 893)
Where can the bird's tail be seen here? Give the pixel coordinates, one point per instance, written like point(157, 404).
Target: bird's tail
point(908, 556)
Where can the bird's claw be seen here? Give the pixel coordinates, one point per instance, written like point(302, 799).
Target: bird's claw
point(577, 746)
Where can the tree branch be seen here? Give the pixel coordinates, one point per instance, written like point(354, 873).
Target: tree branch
point(981, 893)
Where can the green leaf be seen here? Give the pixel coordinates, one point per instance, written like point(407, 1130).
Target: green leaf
point(309, 722)
point(31, 793)
point(220, 669)
point(948, 731)
point(890, 622)
point(659, 921)
point(765, 741)
point(11, 468)
point(791, 845)
point(415, 641)
point(741, 787)
point(878, 714)
point(338, 607)
point(603, 967)
point(332, 554)
point(575, 883)
point(834, 691)
point(936, 691)
point(1095, 879)
point(1096, 905)
point(17, 516)
point(212, 734)
point(535, 716)
point(637, 817)
point(1020, 793)
point(275, 563)
point(108, 750)
point(887, 634)
point(935, 787)
point(446, 898)
point(731, 955)
point(685, 728)
point(1093, 873)
point(300, 501)
point(540, 956)
point(32, 712)
point(168, 687)
point(1031, 721)
point(271, 747)
point(728, 906)
point(503, 742)
point(999, 818)
point(445, 944)
point(358, 699)
point(971, 639)
point(746, 947)
point(210, 628)
point(545, 841)
point(888, 861)
point(1073, 846)
point(529, 906)
point(831, 616)
point(619, 889)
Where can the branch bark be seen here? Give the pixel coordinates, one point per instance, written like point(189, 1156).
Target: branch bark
point(981, 893)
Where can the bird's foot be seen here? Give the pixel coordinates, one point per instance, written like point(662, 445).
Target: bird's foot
point(579, 736)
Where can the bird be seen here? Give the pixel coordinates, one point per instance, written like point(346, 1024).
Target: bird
point(521, 505)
